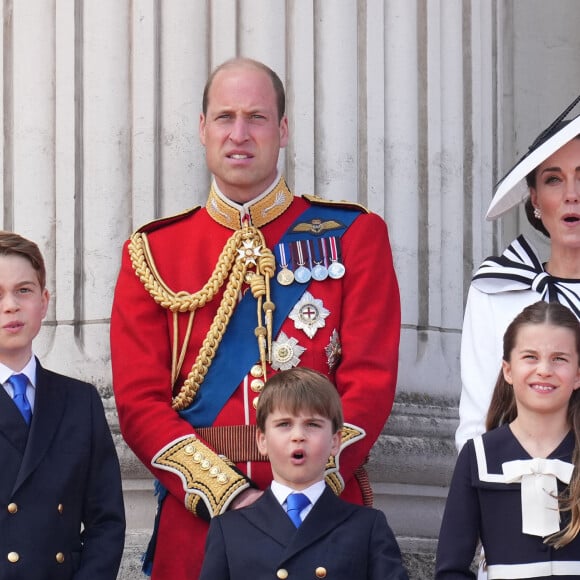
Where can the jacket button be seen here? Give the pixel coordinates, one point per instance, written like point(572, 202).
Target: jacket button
point(60, 508)
point(13, 557)
point(320, 572)
point(60, 557)
point(282, 574)
point(256, 371)
point(257, 385)
point(12, 508)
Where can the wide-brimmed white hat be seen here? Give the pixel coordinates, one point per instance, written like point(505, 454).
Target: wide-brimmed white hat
point(512, 188)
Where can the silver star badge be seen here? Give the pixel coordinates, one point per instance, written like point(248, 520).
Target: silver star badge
point(286, 353)
point(308, 314)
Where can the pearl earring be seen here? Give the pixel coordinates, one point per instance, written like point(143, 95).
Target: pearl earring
point(537, 213)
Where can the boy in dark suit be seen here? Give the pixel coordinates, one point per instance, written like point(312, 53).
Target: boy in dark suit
point(299, 528)
point(62, 513)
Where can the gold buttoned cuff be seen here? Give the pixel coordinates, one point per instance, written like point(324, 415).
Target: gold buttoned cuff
point(206, 476)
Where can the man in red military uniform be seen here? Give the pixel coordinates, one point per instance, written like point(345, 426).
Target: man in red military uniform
point(211, 302)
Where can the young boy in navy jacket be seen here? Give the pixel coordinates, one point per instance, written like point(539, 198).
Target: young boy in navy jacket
point(62, 513)
point(299, 528)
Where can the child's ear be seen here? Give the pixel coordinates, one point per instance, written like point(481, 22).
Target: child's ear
point(336, 439)
point(577, 382)
point(45, 301)
point(261, 442)
point(507, 371)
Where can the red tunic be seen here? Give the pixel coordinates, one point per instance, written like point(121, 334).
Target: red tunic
point(364, 308)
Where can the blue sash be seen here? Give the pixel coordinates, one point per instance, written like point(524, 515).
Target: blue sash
point(238, 349)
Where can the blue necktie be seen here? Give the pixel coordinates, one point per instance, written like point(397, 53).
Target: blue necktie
point(295, 503)
point(19, 384)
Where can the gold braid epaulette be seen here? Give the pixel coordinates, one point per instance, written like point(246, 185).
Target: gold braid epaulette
point(349, 434)
point(245, 251)
point(317, 200)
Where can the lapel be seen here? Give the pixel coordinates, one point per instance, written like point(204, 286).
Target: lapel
point(269, 517)
point(328, 513)
point(12, 426)
point(49, 407)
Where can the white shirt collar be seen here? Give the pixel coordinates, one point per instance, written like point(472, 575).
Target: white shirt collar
point(281, 491)
point(29, 370)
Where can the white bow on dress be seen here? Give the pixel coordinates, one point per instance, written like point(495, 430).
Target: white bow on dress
point(540, 513)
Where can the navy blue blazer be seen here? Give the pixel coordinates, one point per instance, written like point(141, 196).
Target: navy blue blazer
point(337, 540)
point(55, 475)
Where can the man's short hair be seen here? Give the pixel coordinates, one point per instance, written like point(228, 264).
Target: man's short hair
point(249, 62)
point(297, 390)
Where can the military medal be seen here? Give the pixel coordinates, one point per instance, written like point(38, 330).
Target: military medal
point(286, 353)
point(302, 274)
point(249, 252)
point(309, 314)
point(319, 271)
point(285, 276)
point(336, 268)
point(333, 351)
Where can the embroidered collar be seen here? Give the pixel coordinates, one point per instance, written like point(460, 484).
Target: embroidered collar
point(520, 268)
point(258, 212)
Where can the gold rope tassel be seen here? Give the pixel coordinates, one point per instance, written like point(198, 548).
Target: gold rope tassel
point(267, 265)
point(244, 257)
point(260, 287)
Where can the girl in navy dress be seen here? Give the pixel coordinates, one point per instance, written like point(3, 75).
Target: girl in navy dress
point(516, 488)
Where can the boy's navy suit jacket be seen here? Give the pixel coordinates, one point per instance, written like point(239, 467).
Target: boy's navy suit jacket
point(55, 474)
point(337, 540)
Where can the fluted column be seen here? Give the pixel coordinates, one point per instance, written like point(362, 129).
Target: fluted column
point(413, 108)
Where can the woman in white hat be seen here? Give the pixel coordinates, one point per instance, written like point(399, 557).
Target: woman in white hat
point(547, 179)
